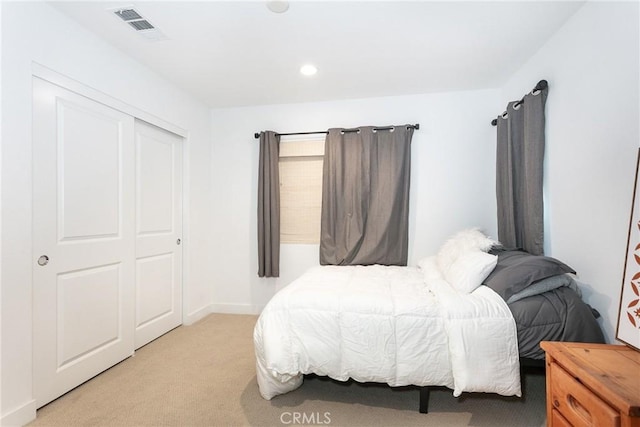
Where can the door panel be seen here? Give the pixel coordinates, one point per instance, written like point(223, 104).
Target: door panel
point(158, 230)
point(87, 312)
point(154, 294)
point(156, 192)
point(88, 207)
point(83, 207)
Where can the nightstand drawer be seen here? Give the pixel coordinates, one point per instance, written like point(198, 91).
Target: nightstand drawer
point(558, 420)
point(577, 404)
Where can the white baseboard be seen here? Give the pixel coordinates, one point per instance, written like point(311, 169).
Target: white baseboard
point(203, 312)
point(194, 316)
point(19, 416)
point(236, 308)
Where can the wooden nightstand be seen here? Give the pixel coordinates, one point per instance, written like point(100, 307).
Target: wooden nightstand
point(592, 384)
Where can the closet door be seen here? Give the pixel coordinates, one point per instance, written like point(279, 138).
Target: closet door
point(158, 232)
point(83, 239)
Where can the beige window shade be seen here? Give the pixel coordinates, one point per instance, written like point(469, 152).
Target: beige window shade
point(300, 190)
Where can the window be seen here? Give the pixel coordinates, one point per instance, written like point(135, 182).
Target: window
point(300, 190)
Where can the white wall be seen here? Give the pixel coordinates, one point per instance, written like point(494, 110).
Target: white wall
point(592, 113)
point(35, 32)
point(592, 138)
point(452, 179)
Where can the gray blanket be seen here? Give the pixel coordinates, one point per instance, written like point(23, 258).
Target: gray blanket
point(544, 301)
point(557, 315)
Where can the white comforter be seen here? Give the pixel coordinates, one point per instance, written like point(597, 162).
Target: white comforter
point(394, 325)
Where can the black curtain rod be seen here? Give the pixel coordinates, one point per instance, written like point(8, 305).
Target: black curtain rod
point(257, 134)
point(541, 85)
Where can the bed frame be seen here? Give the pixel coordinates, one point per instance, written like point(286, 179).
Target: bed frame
point(525, 364)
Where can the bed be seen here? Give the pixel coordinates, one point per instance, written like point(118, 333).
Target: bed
point(447, 322)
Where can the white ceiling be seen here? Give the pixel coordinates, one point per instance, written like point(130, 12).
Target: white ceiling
point(238, 53)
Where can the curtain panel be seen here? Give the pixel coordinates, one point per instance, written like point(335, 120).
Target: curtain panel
point(519, 173)
point(365, 196)
point(269, 205)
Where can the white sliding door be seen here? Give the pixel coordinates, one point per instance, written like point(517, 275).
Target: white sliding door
point(83, 239)
point(107, 224)
point(158, 232)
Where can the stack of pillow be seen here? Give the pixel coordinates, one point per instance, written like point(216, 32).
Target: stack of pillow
point(470, 258)
point(519, 274)
point(463, 259)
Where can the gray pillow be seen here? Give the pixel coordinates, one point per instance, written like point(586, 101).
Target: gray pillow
point(516, 270)
point(545, 285)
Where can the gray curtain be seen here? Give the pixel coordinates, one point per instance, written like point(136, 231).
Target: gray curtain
point(269, 205)
point(365, 196)
point(519, 172)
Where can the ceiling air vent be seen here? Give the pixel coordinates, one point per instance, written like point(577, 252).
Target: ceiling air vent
point(139, 23)
point(128, 14)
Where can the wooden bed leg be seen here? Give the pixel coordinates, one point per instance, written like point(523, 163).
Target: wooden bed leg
point(424, 399)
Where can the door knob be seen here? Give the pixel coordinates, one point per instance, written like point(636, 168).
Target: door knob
point(178, 241)
point(43, 260)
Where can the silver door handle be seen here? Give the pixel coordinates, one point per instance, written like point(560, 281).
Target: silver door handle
point(178, 241)
point(43, 260)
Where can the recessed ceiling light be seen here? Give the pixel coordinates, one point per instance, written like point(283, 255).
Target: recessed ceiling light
point(278, 6)
point(308, 69)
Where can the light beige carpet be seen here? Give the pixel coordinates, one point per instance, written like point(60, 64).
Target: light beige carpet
point(204, 375)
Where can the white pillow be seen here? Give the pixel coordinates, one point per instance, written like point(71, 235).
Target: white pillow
point(469, 270)
point(463, 241)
